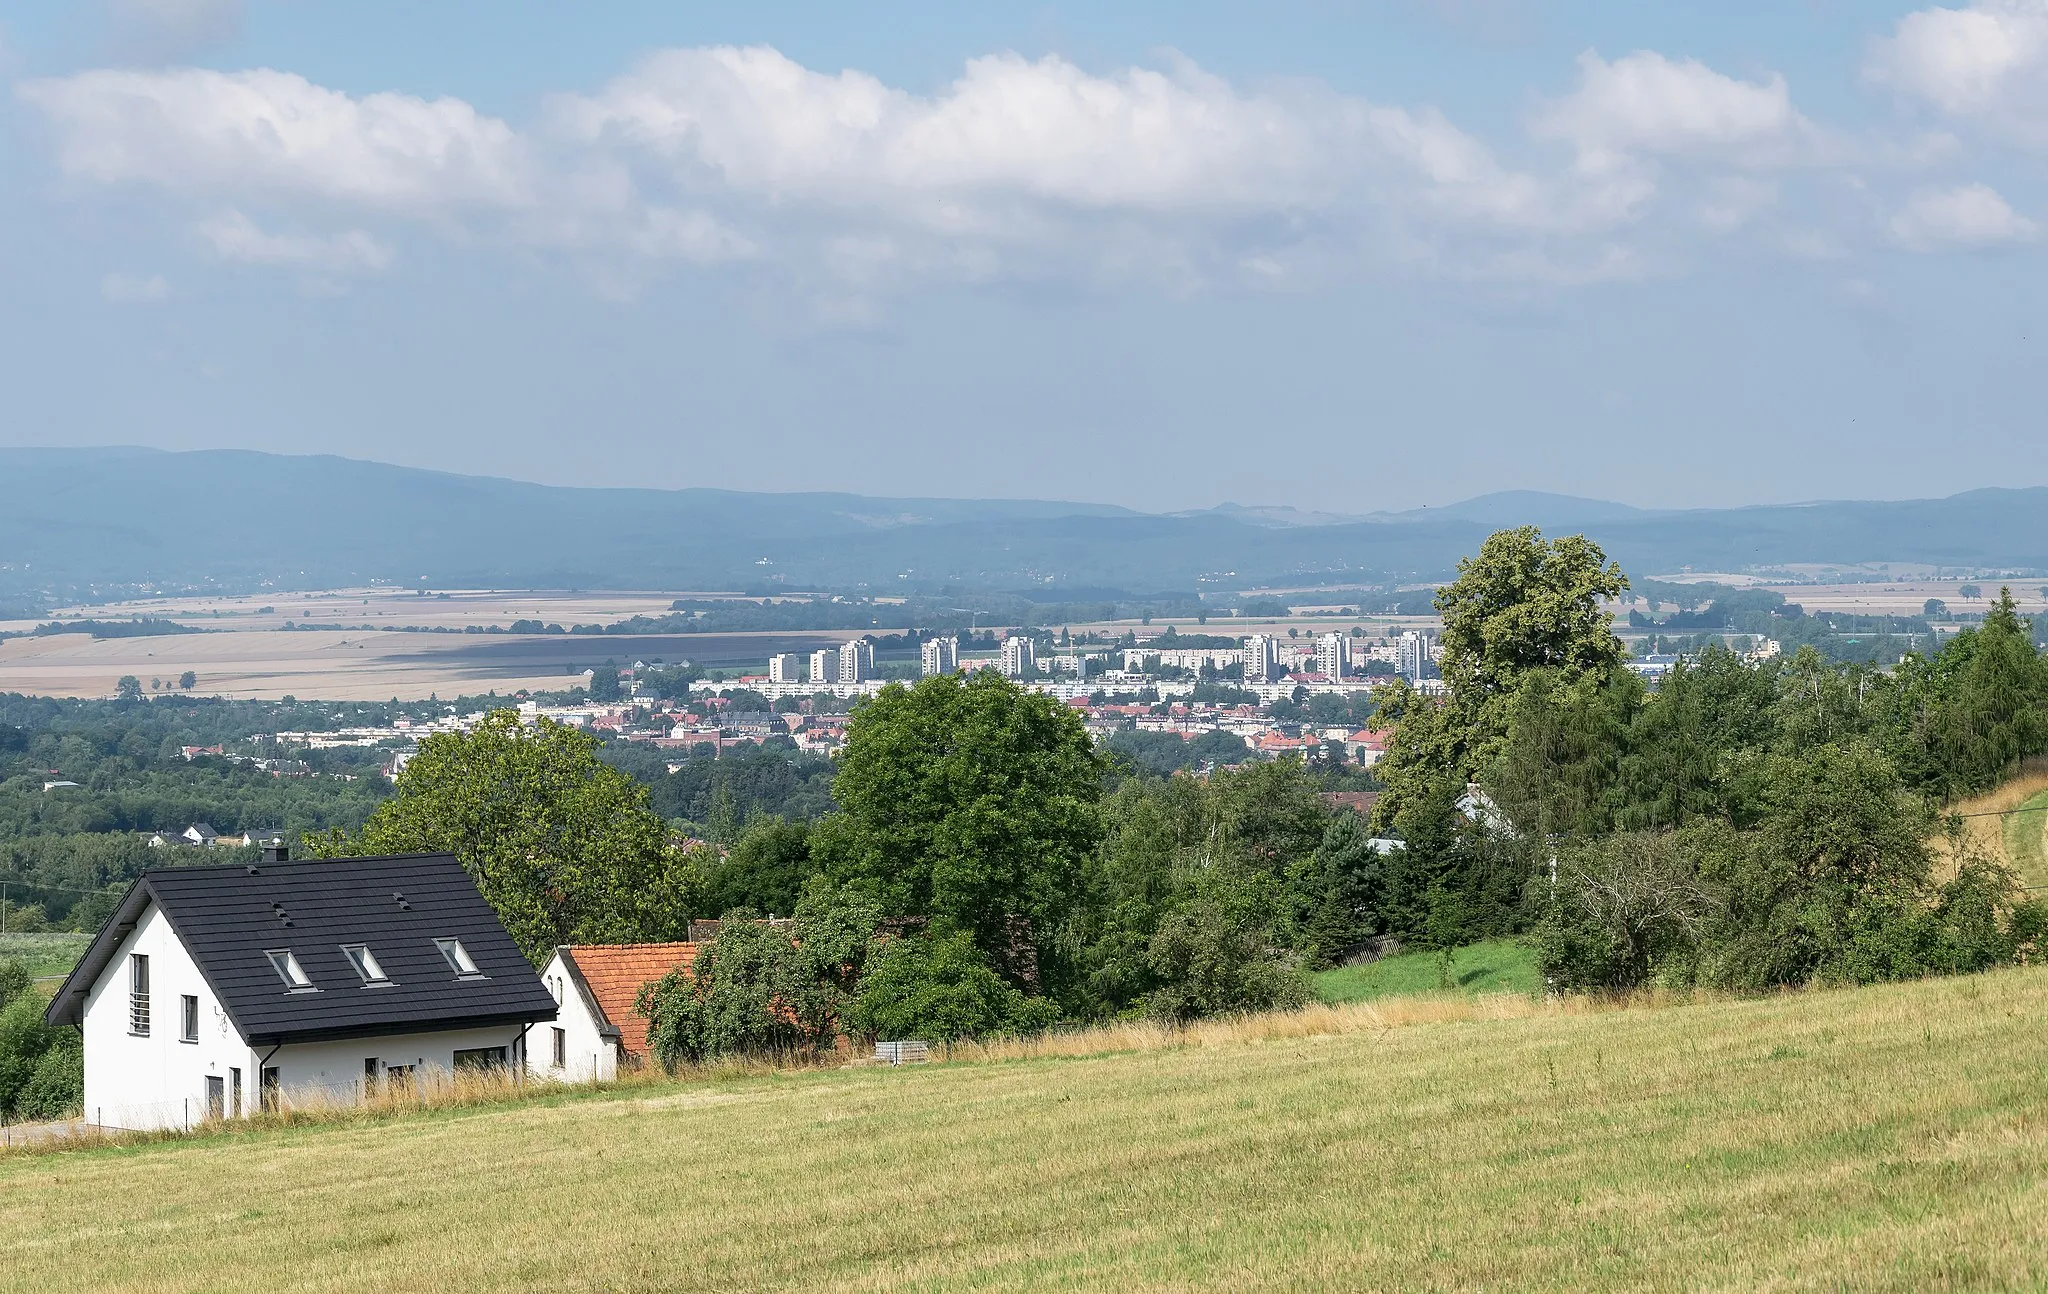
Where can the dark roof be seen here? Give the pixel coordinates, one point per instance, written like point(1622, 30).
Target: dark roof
point(228, 918)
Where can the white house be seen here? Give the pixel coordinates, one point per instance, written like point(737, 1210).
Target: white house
point(596, 986)
point(215, 991)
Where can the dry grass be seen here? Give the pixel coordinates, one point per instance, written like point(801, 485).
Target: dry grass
point(2014, 839)
point(1890, 1138)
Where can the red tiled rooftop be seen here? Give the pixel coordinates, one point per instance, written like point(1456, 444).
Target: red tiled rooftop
point(615, 973)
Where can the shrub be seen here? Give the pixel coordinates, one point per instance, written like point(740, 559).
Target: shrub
point(938, 987)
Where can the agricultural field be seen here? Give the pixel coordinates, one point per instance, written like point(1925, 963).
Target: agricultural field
point(47, 955)
point(1881, 1138)
point(1495, 966)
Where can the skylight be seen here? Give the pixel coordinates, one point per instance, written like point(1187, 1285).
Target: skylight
point(365, 962)
point(288, 969)
point(457, 957)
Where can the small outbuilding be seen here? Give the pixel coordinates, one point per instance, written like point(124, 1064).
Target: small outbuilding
point(212, 992)
point(596, 986)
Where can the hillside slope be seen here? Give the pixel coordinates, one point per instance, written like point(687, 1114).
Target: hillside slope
point(1881, 1138)
point(79, 519)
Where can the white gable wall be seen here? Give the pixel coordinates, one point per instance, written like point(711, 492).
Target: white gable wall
point(158, 1081)
point(590, 1056)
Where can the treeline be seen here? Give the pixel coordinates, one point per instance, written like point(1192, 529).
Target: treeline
point(1743, 826)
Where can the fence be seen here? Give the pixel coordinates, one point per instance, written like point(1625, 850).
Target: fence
point(902, 1053)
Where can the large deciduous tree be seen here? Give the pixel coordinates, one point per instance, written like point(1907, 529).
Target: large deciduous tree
point(562, 845)
point(969, 799)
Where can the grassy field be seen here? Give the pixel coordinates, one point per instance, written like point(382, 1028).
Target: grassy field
point(1496, 966)
point(1890, 1138)
point(45, 954)
point(2025, 837)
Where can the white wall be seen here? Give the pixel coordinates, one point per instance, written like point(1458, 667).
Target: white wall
point(157, 1081)
point(589, 1055)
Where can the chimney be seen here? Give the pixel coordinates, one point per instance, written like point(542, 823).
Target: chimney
point(277, 853)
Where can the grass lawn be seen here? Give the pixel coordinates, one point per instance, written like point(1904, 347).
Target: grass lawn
point(45, 954)
point(1889, 1138)
point(2026, 839)
point(1496, 966)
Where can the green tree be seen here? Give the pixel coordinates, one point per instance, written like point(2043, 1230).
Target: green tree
point(562, 845)
point(1522, 604)
point(1970, 592)
point(764, 872)
point(965, 798)
point(187, 681)
point(128, 688)
point(937, 987)
point(604, 683)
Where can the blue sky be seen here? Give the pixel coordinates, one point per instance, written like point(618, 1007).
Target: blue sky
point(1345, 256)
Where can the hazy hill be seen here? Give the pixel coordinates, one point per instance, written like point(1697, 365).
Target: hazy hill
point(78, 519)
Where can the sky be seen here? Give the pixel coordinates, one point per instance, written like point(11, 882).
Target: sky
point(1342, 256)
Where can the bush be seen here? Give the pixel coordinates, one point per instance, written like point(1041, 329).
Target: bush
point(41, 1068)
point(938, 987)
point(1210, 963)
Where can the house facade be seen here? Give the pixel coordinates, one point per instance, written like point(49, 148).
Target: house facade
point(595, 987)
point(213, 992)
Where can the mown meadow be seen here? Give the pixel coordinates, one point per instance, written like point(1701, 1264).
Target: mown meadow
point(1891, 1137)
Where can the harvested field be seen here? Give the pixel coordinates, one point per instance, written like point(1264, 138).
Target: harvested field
point(1886, 1138)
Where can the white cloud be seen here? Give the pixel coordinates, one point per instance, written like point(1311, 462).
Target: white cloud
point(1987, 63)
point(233, 236)
point(204, 132)
point(134, 288)
point(1019, 168)
point(1646, 105)
point(1970, 216)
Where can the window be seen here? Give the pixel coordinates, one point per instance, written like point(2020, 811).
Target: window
point(138, 995)
point(478, 1058)
point(561, 1047)
point(288, 969)
point(268, 1087)
point(188, 1018)
point(365, 962)
point(369, 1076)
point(235, 1093)
point(458, 958)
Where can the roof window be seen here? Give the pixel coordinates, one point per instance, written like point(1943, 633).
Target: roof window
point(288, 969)
point(365, 962)
point(458, 958)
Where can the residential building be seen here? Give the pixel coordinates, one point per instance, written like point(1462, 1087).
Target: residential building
point(825, 665)
point(1415, 656)
point(595, 986)
point(941, 656)
point(1261, 659)
point(785, 667)
point(1333, 656)
point(857, 661)
point(212, 992)
point(1020, 657)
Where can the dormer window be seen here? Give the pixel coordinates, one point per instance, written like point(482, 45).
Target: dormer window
point(458, 958)
point(365, 962)
point(289, 970)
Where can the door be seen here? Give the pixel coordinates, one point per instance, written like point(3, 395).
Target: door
point(268, 1080)
point(216, 1096)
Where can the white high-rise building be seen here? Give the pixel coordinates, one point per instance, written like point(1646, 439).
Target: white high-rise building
point(785, 667)
point(1333, 656)
point(941, 656)
point(1415, 656)
point(825, 665)
point(1261, 659)
point(1020, 658)
point(857, 661)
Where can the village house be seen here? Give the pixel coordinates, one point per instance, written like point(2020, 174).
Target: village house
point(212, 992)
point(596, 986)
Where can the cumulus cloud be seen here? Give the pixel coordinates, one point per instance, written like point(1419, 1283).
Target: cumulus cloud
point(1986, 63)
point(1018, 168)
point(129, 289)
point(205, 132)
point(233, 236)
point(1646, 105)
point(1969, 216)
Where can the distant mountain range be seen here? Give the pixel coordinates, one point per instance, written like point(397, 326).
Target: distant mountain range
point(77, 520)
